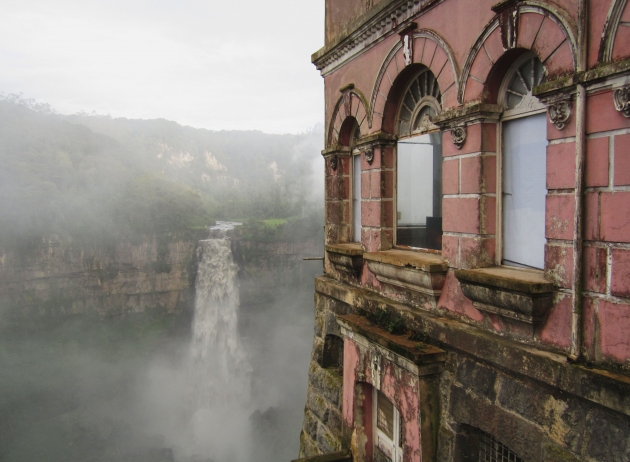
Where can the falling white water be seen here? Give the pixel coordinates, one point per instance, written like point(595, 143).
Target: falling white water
point(221, 370)
point(219, 359)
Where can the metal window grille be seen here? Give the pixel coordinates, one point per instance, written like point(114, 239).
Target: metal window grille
point(385, 415)
point(491, 450)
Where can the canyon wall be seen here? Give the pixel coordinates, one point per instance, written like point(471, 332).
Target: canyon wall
point(60, 277)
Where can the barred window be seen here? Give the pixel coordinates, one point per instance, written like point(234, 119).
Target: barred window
point(491, 450)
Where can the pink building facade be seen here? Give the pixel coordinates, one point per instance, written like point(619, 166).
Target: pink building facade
point(476, 294)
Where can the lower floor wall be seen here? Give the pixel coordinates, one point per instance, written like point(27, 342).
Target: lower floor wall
point(490, 393)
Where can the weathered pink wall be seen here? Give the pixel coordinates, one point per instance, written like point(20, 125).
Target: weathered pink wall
point(469, 173)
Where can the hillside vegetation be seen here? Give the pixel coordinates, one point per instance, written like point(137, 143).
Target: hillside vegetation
point(95, 179)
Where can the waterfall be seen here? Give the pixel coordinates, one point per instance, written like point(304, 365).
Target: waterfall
point(220, 364)
point(221, 372)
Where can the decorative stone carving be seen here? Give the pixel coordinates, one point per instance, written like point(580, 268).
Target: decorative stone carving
point(559, 113)
point(333, 162)
point(458, 134)
point(425, 124)
point(369, 155)
point(621, 97)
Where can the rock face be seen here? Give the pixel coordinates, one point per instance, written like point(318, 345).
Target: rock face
point(267, 266)
point(61, 277)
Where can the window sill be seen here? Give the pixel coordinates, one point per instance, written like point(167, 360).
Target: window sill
point(347, 258)
point(514, 293)
point(417, 271)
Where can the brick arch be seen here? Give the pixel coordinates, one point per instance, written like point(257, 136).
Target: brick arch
point(352, 103)
point(548, 33)
point(615, 40)
point(430, 50)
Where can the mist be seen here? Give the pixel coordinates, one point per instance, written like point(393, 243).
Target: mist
point(80, 388)
point(102, 224)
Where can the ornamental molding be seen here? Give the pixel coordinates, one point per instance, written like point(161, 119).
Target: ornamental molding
point(467, 115)
point(369, 33)
point(509, 30)
point(458, 134)
point(610, 31)
point(621, 98)
point(560, 112)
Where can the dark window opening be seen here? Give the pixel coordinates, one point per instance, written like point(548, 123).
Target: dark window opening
point(333, 353)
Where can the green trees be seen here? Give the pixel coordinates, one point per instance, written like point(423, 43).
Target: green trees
point(95, 179)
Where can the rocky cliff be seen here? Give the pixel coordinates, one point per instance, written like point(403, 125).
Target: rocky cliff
point(61, 277)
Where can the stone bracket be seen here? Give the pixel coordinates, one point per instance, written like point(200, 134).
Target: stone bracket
point(521, 295)
point(347, 258)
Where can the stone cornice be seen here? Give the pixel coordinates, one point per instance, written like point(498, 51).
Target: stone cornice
point(337, 150)
point(607, 388)
point(368, 29)
point(474, 112)
point(376, 139)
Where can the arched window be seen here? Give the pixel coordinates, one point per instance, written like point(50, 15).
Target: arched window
point(356, 186)
point(523, 166)
point(419, 165)
point(349, 134)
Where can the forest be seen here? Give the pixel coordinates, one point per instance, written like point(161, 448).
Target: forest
point(94, 179)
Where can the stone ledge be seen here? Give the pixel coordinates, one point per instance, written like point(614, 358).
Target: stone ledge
point(351, 249)
point(423, 261)
point(523, 295)
point(346, 257)
point(608, 389)
point(519, 280)
point(420, 272)
point(417, 352)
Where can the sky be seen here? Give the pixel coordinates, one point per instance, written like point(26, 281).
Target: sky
point(220, 65)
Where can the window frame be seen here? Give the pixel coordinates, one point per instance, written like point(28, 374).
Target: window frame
point(425, 101)
point(396, 441)
point(355, 156)
point(506, 116)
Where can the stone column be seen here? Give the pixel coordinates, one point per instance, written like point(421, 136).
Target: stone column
point(469, 185)
point(377, 191)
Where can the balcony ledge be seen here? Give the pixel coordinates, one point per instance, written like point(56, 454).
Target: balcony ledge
point(514, 293)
